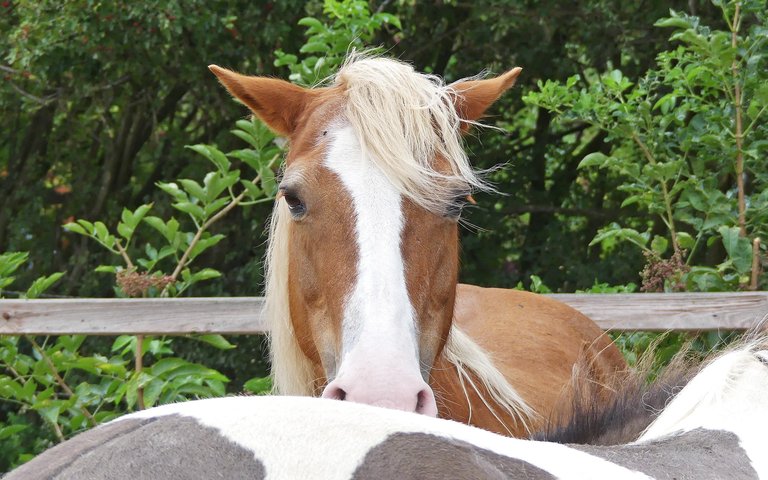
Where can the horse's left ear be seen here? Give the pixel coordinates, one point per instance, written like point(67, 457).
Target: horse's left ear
point(475, 96)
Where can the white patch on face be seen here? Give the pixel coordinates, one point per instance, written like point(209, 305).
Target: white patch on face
point(378, 316)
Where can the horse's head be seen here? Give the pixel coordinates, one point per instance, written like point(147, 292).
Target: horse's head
point(364, 243)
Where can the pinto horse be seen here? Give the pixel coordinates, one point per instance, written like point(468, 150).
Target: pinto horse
point(362, 265)
point(714, 428)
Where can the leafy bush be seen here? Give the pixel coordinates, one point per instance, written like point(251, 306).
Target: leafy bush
point(685, 142)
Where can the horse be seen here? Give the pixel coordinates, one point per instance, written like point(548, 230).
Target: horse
point(713, 428)
point(362, 262)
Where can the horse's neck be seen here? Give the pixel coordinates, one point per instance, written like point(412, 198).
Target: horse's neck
point(729, 394)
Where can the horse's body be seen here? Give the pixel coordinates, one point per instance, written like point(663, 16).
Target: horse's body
point(714, 428)
point(535, 341)
point(362, 264)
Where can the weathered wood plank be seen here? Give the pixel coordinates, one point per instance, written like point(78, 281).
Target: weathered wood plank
point(243, 315)
point(672, 311)
point(101, 316)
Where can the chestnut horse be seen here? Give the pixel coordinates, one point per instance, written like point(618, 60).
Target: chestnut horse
point(363, 256)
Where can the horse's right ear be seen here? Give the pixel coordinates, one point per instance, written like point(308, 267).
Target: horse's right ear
point(276, 102)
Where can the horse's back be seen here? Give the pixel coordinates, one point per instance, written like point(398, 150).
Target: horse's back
point(301, 437)
point(536, 342)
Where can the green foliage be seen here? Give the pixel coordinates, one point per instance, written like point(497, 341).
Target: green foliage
point(352, 27)
point(11, 262)
point(680, 136)
point(167, 264)
point(58, 384)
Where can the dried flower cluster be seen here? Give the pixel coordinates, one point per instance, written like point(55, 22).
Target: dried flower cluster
point(136, 284)
point(657, 271)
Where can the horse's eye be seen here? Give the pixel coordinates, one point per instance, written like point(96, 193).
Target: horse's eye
point(295, 205)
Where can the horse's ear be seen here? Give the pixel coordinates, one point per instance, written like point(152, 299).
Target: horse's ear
point(475, 96)
point(276, 102)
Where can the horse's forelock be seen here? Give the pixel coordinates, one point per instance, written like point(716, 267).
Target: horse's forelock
point(408, 126)
point(292, 371)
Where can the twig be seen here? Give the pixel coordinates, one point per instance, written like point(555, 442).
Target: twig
point(42, 101)
point(59, 380)
point(58, 432)
point(755, 263)
point(739, 135)
point(665, 191)
point(138, 366)
point(124, 254)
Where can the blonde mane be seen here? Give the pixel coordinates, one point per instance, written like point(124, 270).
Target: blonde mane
point(403, 120)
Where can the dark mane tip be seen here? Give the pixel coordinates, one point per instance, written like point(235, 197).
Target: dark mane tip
point(621, 415)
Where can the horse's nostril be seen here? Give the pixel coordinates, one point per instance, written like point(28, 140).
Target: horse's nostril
point(335, 393)
point(425, 403)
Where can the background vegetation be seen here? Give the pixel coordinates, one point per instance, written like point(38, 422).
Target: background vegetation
point(634, 153)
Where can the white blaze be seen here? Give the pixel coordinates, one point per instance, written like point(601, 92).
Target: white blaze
point(379, 344)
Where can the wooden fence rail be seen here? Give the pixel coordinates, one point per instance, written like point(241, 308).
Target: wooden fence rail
point(243, 315)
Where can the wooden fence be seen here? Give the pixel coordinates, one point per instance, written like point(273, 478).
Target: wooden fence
point(243, 315)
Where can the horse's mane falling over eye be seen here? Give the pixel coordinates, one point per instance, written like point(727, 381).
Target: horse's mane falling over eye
point(405, 120)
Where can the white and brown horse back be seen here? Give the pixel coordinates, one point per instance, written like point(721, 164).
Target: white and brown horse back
point(713, 429)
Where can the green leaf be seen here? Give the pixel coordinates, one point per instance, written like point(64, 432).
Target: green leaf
point(597, 159)
point(253, 190)
point(247, 137)
point(122, 342)
point(205, 243)
point(685, 240)
point(125, 231)
point(139, 213)
point(11, 430)
point(10, 388)
point(167, 365)
point(739, 248)
point(42, 284)
point(675, 22)
point(259, 385)
point(217, 341)
point(50, 413)
point(75, 228)
point(628, 234)
point(213, 154)
point(250, 157)
point(196, 211)
point(101, 230)
point(314, 47)
point(173, 190)
point(204, 274)
point(659, 244)
point(311, 23)
point(215, 206)
point(193, 188)
point(106, 269)
point(268, 183)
